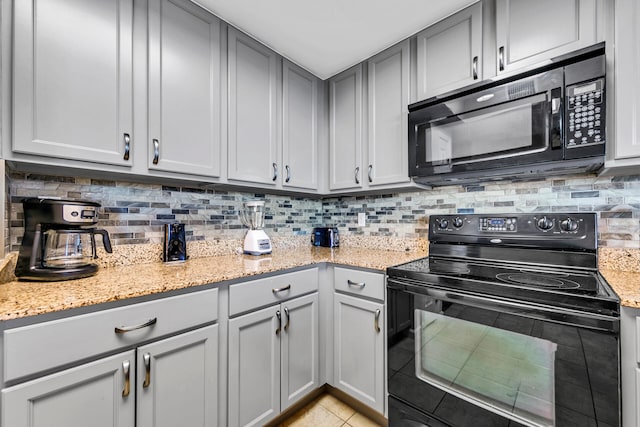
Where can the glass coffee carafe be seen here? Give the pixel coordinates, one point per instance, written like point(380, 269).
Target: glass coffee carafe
point(66, 248)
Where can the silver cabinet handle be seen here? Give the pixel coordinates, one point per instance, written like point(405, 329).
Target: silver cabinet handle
point(356, 284)
point(275, 172)
point(125, 329)
point(276, 290)
point(369, 173)
point(279, 328)
point(146, 358)
point(286, 313)
point(357, 175)
point(475, 68)
point(156, 151)
point(126, 370)
point(127, 146)
point(501, 58)
point(288, 178)
point(376, 322)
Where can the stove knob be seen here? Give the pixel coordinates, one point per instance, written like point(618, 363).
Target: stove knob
point(569, 224)
point(457, 222)
point(545, 223)
point(443, 224)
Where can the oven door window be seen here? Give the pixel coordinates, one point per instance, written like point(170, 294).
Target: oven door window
point(507, 373)
point(507, 130)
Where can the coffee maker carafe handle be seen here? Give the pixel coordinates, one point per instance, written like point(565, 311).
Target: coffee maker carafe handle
point(105, 239)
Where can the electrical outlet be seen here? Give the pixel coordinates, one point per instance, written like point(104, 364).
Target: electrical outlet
point(361, 219)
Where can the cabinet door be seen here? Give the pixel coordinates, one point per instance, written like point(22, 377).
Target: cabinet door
point(450, 53)
point(177, 380)
point(299, 349)
point(184, 88)
point(91, 394)
point(254, 367)
point(299, 127)
point(528, 32)
point(359, 349)
point(72, 79)
point(345, 129)
point(252, 110)
point(388, 116)
point(627, 69)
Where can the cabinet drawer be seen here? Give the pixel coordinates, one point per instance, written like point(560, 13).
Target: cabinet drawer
point(251, 295)
point(360, 283)
point(35, 348)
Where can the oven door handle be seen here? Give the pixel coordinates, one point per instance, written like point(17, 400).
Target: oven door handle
point(563, 316)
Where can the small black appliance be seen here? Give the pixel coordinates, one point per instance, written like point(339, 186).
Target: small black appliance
point(327, 237)
point(59, 242)
point(175, 243)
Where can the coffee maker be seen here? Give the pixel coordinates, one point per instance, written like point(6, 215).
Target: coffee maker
point(59, 242)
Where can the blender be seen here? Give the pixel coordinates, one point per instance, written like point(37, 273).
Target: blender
point(256, 242)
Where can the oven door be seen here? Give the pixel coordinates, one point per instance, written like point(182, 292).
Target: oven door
point(476, 361)
point(516, 123)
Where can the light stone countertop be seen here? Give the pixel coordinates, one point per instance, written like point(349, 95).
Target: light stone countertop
point(23, 299)
point(626, 284)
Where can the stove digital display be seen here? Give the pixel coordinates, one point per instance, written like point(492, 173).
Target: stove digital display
point(498, 224)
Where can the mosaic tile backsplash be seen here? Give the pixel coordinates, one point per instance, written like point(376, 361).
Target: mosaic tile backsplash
point(134, 213)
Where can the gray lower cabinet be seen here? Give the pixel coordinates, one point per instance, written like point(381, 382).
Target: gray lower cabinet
point(450, 53)
point(528, 33)
point(273, 359)
point(252, 115)
point(359, 349)
point(358, 335)
point(172, 382)
point(630, 365)
point(99, 394)
point(72, 79)
point(184, 89)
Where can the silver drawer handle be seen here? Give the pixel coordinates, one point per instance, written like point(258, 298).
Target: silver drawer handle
point(475, 68)
point(288, 178)
point(356, 284)
point(125, 329)
point(279, 328)
point(276, 290)
point(126, 370)
point(369, 173)
point(357, 175)
point(376, 322)
point(275, 172)
point(501, 58)
point(147, 369)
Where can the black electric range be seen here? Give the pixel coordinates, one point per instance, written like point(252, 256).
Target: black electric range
point(530, 279)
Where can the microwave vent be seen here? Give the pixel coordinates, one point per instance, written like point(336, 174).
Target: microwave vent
point(521, 89)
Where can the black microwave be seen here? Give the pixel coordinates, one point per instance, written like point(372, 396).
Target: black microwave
point(550, 120)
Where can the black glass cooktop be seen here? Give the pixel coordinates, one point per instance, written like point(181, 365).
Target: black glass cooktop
point(551, 286)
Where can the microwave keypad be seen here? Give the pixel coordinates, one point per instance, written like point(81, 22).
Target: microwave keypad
point(585, 114)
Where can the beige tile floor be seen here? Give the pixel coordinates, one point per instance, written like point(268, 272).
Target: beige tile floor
point(327, 411)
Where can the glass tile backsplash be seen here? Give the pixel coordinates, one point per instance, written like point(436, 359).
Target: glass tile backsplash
point(134, 213)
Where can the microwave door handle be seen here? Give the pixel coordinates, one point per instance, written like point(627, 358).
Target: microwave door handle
point(556, 136)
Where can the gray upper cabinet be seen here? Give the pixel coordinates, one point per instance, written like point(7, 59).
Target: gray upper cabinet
point(450, 53)
point(528, 32)
point(299, 127)
point(72, 79)
point(626, 151)
point(388, 98)
point(345, 129)
point(184, 89)
point(252, 115)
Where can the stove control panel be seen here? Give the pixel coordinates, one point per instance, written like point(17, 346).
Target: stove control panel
point(547, 229)
point(498, 224)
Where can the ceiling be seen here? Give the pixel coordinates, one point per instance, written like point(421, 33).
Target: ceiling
point(328, 36)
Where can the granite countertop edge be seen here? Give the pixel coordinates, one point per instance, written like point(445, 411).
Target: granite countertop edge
point(22, 299)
